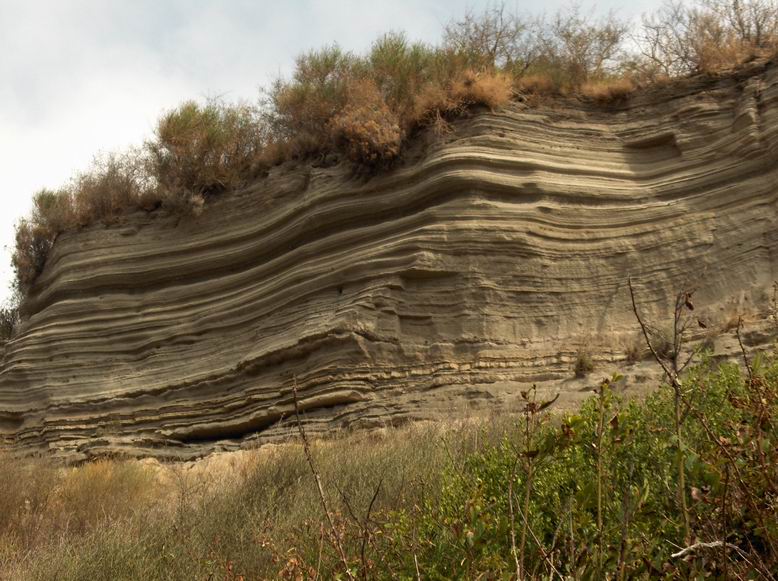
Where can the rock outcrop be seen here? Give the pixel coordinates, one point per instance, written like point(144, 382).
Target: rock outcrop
point(481, 266)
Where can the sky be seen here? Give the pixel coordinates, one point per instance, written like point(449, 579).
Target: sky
point(81, 77)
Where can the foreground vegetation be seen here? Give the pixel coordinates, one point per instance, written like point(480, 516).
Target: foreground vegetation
point(587, 496)
point(365, 107)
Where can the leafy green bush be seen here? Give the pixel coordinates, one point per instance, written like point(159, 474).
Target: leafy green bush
point(616, 459)
point(205, 149)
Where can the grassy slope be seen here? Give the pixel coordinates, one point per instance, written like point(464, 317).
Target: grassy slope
point(599, 489)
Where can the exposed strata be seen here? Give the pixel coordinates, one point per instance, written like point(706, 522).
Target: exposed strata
point(452, 282)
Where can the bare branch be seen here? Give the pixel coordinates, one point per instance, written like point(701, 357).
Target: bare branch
point(743, 351)
point(697, 546)
point(322, 499)
point(671, 376)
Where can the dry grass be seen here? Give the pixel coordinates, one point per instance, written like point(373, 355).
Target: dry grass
point(535, 84)
point(584, 364)
point(608, 90)
point(45, 506)
point(248, 512)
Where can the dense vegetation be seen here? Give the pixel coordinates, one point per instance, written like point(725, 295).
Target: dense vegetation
point(587, 496)
point(365, 107)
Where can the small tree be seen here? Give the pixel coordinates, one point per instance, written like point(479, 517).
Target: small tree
point(681, 39)
point(581, 48)
point(671, 363)
point(496, 39)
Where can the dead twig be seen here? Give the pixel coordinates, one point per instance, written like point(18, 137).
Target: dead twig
point(715, 545)
point(683, 303)
point(697, 546)
point(514, 551)
point(743, 351)
point(322, 499)
point(670, 375)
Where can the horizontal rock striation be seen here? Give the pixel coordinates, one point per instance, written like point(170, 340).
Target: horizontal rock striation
point(481, 266)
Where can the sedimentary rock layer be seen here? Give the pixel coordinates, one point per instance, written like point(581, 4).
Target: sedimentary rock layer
point(481, 265)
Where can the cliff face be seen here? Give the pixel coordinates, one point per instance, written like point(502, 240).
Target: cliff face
point(450, 283)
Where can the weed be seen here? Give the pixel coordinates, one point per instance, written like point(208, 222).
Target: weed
point(608, 91)
point(584, 364)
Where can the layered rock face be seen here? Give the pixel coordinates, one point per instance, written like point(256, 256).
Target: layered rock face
point(447, 284)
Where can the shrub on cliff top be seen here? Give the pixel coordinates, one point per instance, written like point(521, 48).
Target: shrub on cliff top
point(365, 107)
point(366, 129)
point(204, 149)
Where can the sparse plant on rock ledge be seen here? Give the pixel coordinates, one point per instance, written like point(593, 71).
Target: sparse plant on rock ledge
point(584, 364)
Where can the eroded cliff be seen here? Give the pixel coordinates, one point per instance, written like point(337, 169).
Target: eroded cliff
point(450, 283)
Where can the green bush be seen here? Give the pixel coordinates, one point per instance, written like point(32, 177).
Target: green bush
point(206, 149)
point(731, 474)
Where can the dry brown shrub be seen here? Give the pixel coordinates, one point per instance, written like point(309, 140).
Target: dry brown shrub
point(367, 130)
point(113, 185)
point(275, 152)
point(103, 491)
point(490, 89)
point(634, 350)
point(607, 91)
point(720, 55)
point(584, 364)
point(535, 84)
point(432, 105)
point(53, 212)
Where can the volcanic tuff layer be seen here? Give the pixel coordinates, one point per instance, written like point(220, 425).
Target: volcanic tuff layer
point(449, 283)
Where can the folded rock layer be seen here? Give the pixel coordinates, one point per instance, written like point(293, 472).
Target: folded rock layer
point(477, 268)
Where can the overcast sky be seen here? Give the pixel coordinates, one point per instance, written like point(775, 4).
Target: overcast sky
point(78, 77)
